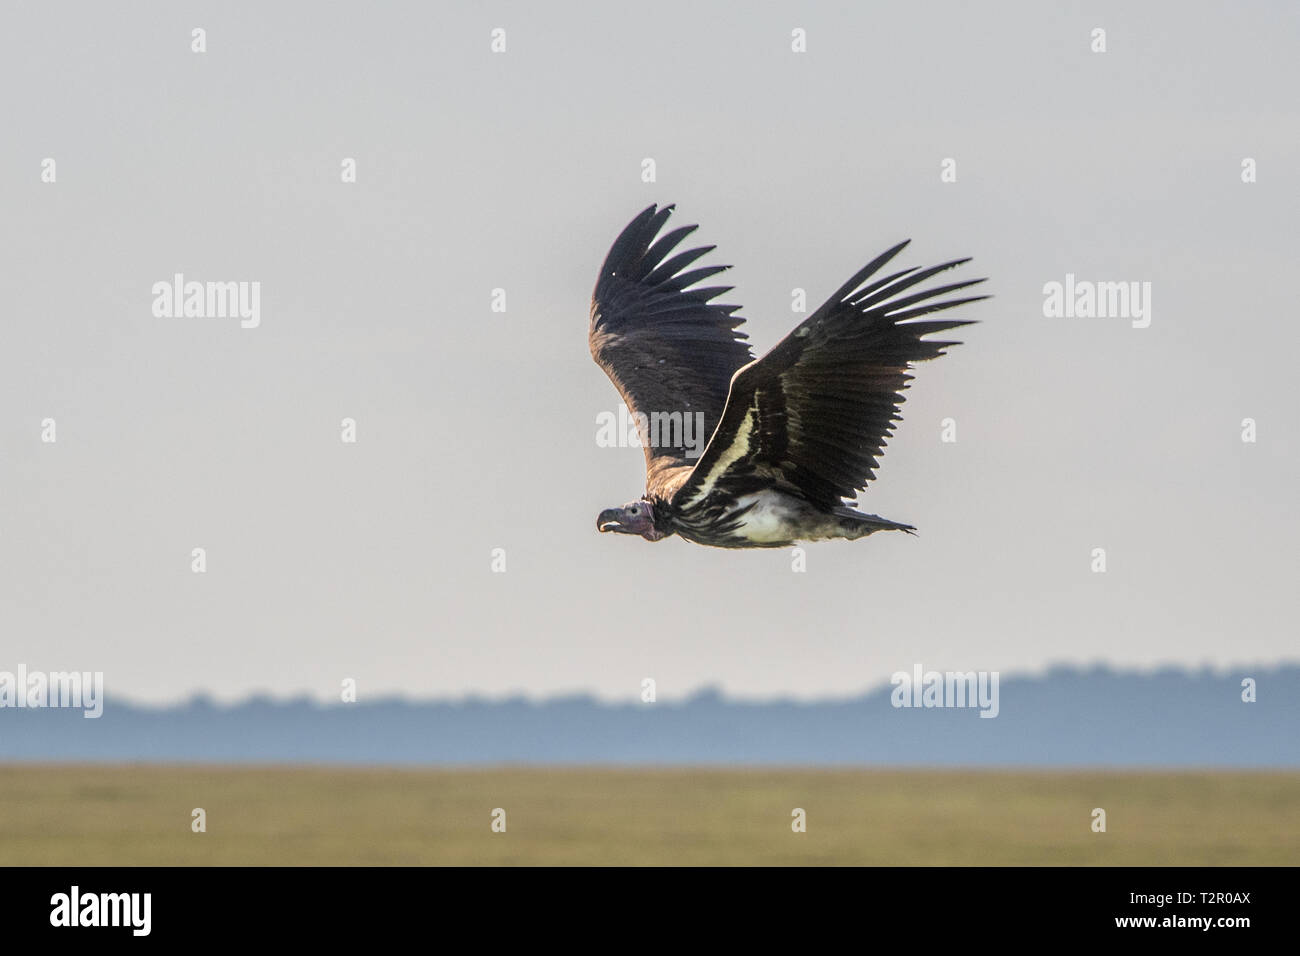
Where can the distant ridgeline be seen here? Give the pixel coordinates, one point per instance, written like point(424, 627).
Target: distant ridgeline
point(1068, 717)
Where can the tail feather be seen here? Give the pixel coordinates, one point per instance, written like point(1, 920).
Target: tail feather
point(857, 525)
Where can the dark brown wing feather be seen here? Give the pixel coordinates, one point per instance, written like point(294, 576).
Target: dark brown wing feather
point(666, 347)
point(813, 414)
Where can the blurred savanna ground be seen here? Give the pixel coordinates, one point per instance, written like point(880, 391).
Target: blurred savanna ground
point(141, 815)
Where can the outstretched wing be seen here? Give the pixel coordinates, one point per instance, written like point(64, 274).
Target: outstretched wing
point(667, 348)
point(813, 414)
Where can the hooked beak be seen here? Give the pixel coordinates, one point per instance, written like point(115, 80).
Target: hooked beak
point(611, 519)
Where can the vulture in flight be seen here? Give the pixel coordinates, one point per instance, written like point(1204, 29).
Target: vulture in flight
point(790, 435)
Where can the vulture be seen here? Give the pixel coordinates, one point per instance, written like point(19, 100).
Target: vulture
point(790, 436)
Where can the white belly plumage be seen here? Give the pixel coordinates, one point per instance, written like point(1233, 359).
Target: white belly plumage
point(773, 517)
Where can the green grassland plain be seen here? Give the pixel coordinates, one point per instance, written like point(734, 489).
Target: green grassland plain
point(142, 815)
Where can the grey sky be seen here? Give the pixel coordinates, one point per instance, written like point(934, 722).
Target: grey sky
point(477, 429)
